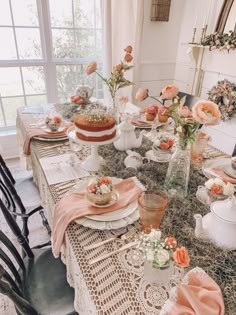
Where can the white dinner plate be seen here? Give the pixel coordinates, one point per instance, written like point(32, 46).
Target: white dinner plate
point(215, 163)
point(119, 214)
point(62, 138)
point(230, 171)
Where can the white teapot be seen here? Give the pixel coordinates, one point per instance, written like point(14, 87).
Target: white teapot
point(220, 224)
point(84, 91)
point(127, 139)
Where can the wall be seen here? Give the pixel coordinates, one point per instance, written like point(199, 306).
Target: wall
point(200, 63)
point(158, 49)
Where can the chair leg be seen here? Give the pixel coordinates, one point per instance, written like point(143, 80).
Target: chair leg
point(45, 222)
point(25, 230)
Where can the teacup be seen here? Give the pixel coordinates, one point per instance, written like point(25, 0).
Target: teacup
point(134, 160)
point(233, 162)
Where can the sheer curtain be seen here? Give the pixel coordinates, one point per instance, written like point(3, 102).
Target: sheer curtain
point(122, 26)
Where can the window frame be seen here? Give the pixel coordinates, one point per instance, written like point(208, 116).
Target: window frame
point(48, 61)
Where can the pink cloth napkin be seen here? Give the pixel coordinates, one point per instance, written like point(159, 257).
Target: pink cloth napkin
point(75, 206)
point(219, 172)
point(198, 295)
point(33, 132)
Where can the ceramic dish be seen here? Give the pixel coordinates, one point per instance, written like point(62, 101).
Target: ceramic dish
point(48, 130)
point(215, 163)
point(150, 155)
point(114, 199)
point(230, 171)
point(62, 138)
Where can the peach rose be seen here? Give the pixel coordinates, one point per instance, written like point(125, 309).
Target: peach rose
point(217, 189)
point(77, 99)
point(57, 119)
point(152, 109)
point(141, 94)
point(181, 257)
point(128, 57)
point(169, 92)
point(206, 112)
point(128, 49)
point(185, 112)
point(118, 67)
point(92, 67)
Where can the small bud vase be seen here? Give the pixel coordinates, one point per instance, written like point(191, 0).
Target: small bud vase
point(157, 275)
point(177, 176)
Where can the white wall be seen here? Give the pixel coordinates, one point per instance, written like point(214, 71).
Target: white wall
point(158, 49)
point(214, 65)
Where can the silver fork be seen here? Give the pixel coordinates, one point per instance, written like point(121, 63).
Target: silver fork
point(124, 236)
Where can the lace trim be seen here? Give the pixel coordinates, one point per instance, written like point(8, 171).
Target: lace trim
point(138, 183)
point(194, 270)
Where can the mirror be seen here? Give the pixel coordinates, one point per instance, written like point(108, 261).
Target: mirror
point(227, 17)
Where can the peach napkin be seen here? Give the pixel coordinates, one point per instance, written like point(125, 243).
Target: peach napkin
point(33, 132)
point(75, 206)
point(219, 172)
point(198, 295)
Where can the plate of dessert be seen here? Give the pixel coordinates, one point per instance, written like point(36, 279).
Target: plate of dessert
point(100, 192)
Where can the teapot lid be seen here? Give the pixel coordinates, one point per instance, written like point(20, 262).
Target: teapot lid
point(225, 210)
point(126, 125)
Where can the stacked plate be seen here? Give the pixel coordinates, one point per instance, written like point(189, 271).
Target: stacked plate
point(107, 221)
point(52, 135)
point(223, 164)
point(140, 121)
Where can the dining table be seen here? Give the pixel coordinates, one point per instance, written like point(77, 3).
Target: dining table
point(116, 285)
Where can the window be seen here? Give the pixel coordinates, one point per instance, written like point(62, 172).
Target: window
point(47, 46)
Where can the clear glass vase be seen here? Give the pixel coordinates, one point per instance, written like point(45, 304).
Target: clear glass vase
point(157, 275)
point(112, 108)
point(177, 176)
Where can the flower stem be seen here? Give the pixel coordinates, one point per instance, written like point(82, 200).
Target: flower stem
point(156, 99)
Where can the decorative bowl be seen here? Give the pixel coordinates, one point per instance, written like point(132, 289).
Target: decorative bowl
point(100, 199)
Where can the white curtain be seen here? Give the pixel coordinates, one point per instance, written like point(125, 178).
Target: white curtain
point(122, 26)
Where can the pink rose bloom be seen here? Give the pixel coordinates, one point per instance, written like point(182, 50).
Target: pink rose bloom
point(118, 67)
point(128, 49)
point(185, 112)
point(169, 92)
point(152, 109)
point(141, 94)
point(162, 110)
point(92, 67)
point(206, 112)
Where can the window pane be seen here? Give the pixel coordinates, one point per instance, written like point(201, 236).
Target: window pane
point(25, 12)
point(63, 43)
point(10, 82)
point(61, 13)
point(2, 124)
point(99, 44)
point(84, 13)
point(28, 41)
point(7, 51)
point(85, 44)
point(10, 106)
point(36, 100)
point(34, 80)
point(98, 14)
point(5, 14)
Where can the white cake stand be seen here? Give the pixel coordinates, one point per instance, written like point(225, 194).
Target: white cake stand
point(93, 162)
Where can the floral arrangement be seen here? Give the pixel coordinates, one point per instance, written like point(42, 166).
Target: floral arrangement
point(116, 80)
point(220, 41)
point(160, 253)
point(219, 189)
point(224, 95)
point(187, 121)
point(164, 142)
point(53, 122)
point(102, 185)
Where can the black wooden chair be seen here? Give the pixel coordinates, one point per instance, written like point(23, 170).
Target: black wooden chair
point(190, 99)
point(39, 286)
point(15, 201)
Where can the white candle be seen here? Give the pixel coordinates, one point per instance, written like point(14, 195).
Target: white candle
point(208, 13)
point(196, 22)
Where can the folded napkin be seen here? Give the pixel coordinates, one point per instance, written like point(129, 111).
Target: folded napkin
point(219, 172)
point(198, 295)
point(33, 132)
point(75, 206)
point(138, 122)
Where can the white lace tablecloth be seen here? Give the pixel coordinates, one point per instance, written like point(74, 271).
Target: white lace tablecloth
point(114, 286)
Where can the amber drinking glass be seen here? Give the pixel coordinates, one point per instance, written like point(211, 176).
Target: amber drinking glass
point(199, 146)
point(152, 206)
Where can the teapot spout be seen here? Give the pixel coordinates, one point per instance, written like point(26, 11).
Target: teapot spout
point(199, 226)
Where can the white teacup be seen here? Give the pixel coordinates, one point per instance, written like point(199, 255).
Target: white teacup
point(134, 160)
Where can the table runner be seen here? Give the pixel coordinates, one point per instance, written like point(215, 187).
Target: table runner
point(115, 286)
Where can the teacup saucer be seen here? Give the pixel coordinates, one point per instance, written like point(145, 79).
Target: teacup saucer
point(151, 156)
point(48, 130)
point(114, 199)
point(230, 171)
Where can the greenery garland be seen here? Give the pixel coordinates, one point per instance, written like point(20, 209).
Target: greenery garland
point(220, 41)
